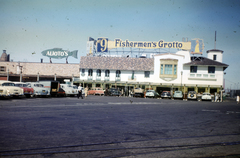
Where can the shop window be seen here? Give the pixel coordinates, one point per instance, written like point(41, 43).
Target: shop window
point(193, 69)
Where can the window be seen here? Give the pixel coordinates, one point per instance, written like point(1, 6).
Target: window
point(83, 71)
point(118, 73)
point(161, 69)
point(90, 72)
point(146, 74)
point(132, 75)
point(2, 68)
point(107, 72)
point(193, 69)
point(98, 72)
point(214, 57)
point(211, 69)
point(168, 69)
point(175, 69)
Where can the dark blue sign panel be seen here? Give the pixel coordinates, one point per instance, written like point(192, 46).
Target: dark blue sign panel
point(102, 45)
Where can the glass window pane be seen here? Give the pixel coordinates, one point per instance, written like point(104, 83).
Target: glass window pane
point(168, 70)
point(161, 68)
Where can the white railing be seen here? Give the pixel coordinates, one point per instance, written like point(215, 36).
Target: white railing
point(89, 78)
point(98, 78)
point(204, 76)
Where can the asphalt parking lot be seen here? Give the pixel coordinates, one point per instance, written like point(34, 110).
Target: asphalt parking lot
point(118, 127)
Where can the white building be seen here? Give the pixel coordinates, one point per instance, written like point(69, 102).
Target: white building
point(170, 71)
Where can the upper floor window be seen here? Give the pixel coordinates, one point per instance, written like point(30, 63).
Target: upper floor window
point(98, 72)
point(168, 69)
point(193, 69)
point(90, 72)
point(118, 73)
point(214, 57)
point(107, 72)
point(83, 71)
point(211, 69)
point(146, 74)
point(2, 68)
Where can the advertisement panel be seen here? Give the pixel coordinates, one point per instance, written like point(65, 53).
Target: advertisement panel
point(195, 46)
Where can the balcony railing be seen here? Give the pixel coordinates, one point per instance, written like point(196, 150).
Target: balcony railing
point(90, 78)
point(98, 78)
point(106, 78)
point(118, 79)
point(202, 76)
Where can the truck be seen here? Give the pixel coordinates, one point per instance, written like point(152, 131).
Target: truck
point(138, 92)
point(53, 87)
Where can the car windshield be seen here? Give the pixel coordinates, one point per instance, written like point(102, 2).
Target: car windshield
point(24, 85)
point(8, 84)
point(18, 85)
point(38, 85)
point(150, 91)
point(75, 87)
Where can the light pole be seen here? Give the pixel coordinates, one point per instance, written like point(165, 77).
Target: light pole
point(181, 79)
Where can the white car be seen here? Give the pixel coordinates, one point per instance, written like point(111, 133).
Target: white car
point(151, 94)
point(8, 89)
point(39, 89)
point(69, 89)
point(207, 96)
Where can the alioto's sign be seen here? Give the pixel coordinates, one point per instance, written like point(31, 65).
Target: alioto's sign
point(195, 46)
point(58, 53)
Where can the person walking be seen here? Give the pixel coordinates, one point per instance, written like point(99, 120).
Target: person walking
point(86, 91)
point(80, 91)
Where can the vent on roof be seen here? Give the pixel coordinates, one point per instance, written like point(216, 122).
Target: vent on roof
point(195, 58)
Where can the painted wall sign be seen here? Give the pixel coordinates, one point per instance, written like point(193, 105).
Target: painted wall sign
point(58, 53)
point(195, 46)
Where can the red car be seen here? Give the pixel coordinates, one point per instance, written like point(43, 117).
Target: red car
point(26, 90)
point(96, 91)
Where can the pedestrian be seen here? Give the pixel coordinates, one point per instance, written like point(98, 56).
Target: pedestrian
point(106, 92)
point(80, 91)
point(86, 91)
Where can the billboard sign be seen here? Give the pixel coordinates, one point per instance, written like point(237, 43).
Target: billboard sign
point(195, 46)
point(58, 53)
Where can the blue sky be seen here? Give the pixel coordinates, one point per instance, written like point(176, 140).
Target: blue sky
point(29, 26)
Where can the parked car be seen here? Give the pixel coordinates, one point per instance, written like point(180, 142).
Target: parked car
point(138, 92)
point(28, 91)
point(178, 94)
point(207, 96)
point(96, 91)
point(69, 90)
point(8, 89)
point(192, 95)
point(166, 94)
point(39, 89)
point(113, 92)
point(151, 94)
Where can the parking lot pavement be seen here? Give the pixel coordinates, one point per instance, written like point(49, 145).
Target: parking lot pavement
point(118, 127)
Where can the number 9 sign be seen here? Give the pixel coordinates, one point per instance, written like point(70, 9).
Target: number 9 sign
point(102, 45)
